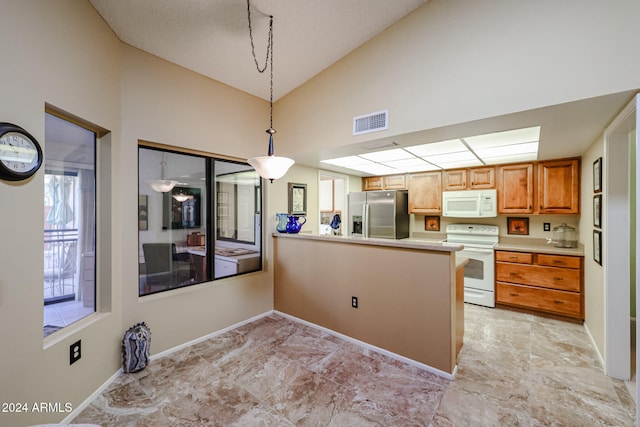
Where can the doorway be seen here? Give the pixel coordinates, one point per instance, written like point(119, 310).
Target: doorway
point(332, 202)
point(619, 243)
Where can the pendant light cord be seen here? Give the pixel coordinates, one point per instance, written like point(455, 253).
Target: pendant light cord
point(267, 61)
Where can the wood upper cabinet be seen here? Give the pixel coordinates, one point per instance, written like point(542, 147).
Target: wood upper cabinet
point(389, 182)
point(425, 193)
point(469, 179)
point(455, 179)
point(372, 183)
point(482, 178)
point(515, 189)
point(559, 187)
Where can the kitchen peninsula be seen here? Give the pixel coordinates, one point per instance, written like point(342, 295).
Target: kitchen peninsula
point(408, 300)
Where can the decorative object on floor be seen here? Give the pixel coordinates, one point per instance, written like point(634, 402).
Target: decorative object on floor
point(270, 166)
point(135, 348)
point(294, 225)
point(432, 223)
point(283, 219)
point(297, 199)
point(518, 226)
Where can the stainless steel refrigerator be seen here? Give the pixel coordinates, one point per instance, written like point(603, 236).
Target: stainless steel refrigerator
point(383, 213)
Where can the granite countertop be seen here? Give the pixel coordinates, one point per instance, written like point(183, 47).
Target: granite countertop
point(525, 244)
point(427, 245)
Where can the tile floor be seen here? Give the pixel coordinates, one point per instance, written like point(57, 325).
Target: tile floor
point(514, 370)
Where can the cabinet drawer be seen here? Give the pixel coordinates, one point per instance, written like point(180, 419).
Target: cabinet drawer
point(519, 257)
point(558, 261)
point(560, 302)
point(546, 277)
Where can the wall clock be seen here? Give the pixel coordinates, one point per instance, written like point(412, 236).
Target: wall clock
point(20, 153)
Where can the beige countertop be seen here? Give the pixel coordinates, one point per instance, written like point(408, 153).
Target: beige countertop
point(525, 244)
point(427, 245)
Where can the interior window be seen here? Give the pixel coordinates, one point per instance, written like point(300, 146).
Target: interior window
point(198, 219)
point(69, 223)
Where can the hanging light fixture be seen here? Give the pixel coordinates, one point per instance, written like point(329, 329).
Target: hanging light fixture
point(162, 185)
point(270, 166)
point(181, 196)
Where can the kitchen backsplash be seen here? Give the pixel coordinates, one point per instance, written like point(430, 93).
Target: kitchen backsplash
point(536, 224)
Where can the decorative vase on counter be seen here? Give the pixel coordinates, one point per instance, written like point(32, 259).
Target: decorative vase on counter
point(294, 225)
point(281, 226)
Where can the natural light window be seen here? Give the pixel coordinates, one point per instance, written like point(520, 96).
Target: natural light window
point(69, 223)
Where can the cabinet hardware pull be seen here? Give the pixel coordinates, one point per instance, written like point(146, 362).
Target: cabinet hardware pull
point(558, 302)
point(512, 294)
point(558, 279)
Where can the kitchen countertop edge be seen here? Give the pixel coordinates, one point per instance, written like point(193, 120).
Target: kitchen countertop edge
point(538, 246)
point(399, 243)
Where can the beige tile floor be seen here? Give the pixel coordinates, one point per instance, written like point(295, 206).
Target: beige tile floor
point(514, 370)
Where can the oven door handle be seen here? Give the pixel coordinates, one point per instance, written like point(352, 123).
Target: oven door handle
point(481, 251)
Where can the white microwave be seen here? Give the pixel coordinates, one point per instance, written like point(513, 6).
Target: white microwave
point(470, 203)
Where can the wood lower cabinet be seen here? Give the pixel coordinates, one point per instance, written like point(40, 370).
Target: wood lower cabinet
point(425, 193)
point(541, 282)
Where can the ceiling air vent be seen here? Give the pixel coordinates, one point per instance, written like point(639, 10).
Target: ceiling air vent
point(371, 122)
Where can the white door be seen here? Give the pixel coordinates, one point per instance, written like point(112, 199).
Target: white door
point(246, 208)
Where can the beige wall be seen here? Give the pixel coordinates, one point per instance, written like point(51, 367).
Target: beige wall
point(454, 61)
point(594, 295)
point(167, 104)
point(62, 53)
point(406, 297)
point(74, 62)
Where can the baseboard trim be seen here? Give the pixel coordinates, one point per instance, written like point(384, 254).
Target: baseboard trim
point(69, 418)
point(81, 407)
point(595, 346)
point(211, 335)
point(419, 365)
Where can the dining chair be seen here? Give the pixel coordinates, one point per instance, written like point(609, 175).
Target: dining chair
point(165, 268)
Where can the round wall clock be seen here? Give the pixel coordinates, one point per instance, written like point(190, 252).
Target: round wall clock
point(20, 153)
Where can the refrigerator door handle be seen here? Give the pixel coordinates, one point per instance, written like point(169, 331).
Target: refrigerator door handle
point(365, 216)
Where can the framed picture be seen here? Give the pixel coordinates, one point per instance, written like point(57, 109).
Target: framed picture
point(143, 212)
point(297, 199)
point(597, 175)
point(432, 223)
point(597, 246)
point(518, 226)
point(597, 210)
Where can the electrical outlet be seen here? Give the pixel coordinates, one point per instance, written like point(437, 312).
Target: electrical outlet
point(75, 352)
point(354, 302)
point(547, 226)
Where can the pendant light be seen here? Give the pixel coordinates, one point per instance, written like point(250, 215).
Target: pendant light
point(162, 185)
point(181, 196)
point(270, 166)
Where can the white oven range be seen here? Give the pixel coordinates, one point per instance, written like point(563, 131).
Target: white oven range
point(479, 241)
